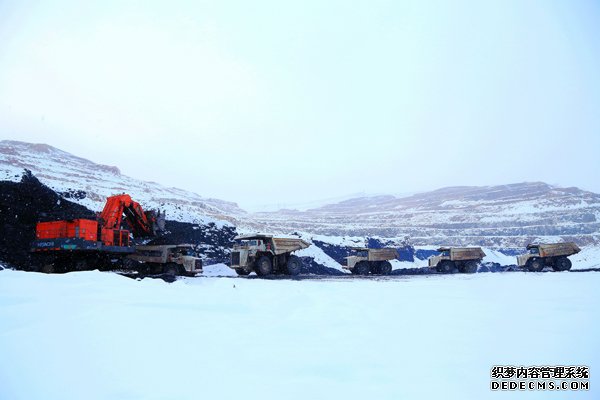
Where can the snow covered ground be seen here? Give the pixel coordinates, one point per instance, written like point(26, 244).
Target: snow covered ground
point(218, 270)
point(93, 335)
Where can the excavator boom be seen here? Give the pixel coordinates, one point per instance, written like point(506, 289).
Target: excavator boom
point(121, 208)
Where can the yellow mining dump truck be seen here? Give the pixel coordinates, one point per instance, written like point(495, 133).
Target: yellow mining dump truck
point(363, 261)
point(265, 255)
point(172, 260)
point(553, 255)
point(465, 259)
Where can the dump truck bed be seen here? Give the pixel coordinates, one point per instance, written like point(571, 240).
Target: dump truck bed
point(556, 249)
point(155, 253)
point(287, 245)
point(382, 254)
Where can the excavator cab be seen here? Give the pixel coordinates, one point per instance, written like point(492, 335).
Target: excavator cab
point(115, 237)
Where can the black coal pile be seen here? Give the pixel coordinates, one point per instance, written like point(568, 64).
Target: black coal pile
point(496, 267)
point(212, 242)
point(425, 254)
point(22, 205)
point(309, 266)
point(413, 271)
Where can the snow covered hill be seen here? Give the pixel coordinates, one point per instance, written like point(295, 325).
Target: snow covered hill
point(507, 216)
point(494, 216)
point(89, 184)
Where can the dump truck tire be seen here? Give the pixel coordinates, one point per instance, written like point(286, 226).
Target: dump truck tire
point(470, 267)
point(104, 264)
point(242, 272)
point(385, 268)
point(361, 268)
point(535, 265)
point(445, 267)
point(293, 266)
point(375, 267)
point(562, 264)
point(171, 269)
point(264, 266)
point(154, 268)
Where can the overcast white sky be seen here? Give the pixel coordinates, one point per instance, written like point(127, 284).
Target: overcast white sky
point(271, 102)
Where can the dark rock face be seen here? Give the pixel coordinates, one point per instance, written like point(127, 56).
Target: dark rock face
point(406, 253)
point(74, 194)
point(373, 243)
point(22, 205)
point(425, 254)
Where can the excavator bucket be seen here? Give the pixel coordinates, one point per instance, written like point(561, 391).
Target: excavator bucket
point(157, 219)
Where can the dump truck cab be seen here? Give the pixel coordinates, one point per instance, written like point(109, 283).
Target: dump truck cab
point(555, 255)
point(533, 251)
point(248, 248)
point(266, 254)
point(364, 261)
point(444, 255)
point(465, 259)
point(180, 259)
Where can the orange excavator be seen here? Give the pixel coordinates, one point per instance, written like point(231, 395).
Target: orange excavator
point(80, 242)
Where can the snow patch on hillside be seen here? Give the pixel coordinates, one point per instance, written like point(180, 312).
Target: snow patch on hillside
point(89, 184)
point(342, 241)
point(588, 257)
point(11, 174)
point(497, 257)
